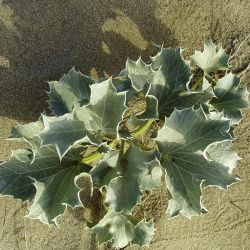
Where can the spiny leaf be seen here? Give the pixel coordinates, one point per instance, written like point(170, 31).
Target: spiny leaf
point(123, 192)
point(92, 123)
point(211, 59)
point(165, 80)
point(120, 230)
point(144, 232)
point(123, 176)
point(140, 73)
point(174, 68)
point(106, 170)
point(53, 179)
point(71, 89)
point(104, 112)
point(168, 99)
point(230, 97)
point(63, 132)
point(28, 133)
point(123, 83)
point(183, 142)
point(136, 122)
point(56, 187)
point(54, 195)
point(198, 97)
point(151, 111)
point(153, 177)
point(220, 152)
point(14, 176)
point(172, 74)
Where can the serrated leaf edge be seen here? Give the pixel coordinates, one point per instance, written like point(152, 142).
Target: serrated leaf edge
point(130, 243)
point(55, 221)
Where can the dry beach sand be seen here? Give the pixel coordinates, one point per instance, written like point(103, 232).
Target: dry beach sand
point(41, 40)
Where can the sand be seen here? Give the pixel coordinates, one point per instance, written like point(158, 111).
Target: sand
point(41, 40)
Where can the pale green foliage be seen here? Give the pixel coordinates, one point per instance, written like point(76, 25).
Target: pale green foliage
point(112, 133)
point(183, 142)
point(123, 192)
point(211, 59)
point(71, 89)
point(120, 229)
point(28, 133)
point(230, 97)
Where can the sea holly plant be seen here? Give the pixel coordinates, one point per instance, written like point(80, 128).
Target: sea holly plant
point(156, 123)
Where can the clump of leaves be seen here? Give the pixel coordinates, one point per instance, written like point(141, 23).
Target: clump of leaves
point(122, 135)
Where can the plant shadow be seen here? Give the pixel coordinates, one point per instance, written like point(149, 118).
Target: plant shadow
point(44, 39)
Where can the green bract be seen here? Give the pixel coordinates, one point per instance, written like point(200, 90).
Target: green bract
point(155, 121)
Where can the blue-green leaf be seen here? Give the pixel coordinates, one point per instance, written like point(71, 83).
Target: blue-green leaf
point(105, 111)
point(73, 88)
point(106, 170)
point(211, 59)
point(123, 192)
point(153, 178)
point(64, 132)
point(14, 176)
point(93, 123)
point(175, 69)
point(120, 230)
point(230, 97)
point(54, 180)
point(151, 111)
point(172, 73)
point(28, 133)
point(140, 73)
point(184, 143)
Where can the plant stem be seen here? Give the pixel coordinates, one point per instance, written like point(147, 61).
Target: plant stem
point(92, 157)
point(122, 147)
point(97, 155)
point(142, 129)
point(119, 77)
point(197, 83)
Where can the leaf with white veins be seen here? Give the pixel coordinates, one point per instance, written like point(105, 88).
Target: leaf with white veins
point(175, 69)
point(91, 123)
point(123, 83)
point(123, 192)
point(153, 177)
point(105, 111)
point(144, 232)
point(211, 59)
point(165, 83)
point(221, 153)
point(183, 142)
point(121, 229)
point(172, 73)
point(63, 132)
point(14, 179)
point(28, 133)
point(106, 170)
point(71, 89)
point(151, 111)
point(140, 73)
point(230, 97)
point(54, 180)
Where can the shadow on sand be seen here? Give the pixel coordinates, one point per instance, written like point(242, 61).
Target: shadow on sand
point(51, 37)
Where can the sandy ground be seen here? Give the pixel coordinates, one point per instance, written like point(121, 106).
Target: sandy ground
point(40, 40)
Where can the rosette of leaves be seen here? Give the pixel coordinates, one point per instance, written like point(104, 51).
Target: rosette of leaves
point(156, 120)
